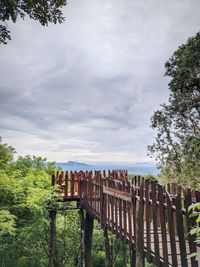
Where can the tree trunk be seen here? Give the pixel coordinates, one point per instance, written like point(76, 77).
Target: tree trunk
point(89, 223)
point(52, 247)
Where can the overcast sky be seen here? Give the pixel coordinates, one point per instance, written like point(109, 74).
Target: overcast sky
point(85, 90)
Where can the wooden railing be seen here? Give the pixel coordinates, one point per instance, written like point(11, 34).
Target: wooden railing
point(151, 218)
point(68, 183)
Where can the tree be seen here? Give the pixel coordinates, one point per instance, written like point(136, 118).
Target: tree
point(177, 144)
point(46, 11)
point(6, 154)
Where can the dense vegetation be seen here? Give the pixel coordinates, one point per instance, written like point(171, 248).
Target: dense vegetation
point(177, 144)
point(25, 193)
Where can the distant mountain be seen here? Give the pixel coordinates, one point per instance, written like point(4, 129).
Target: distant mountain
point(74, 163)
point(142, 168)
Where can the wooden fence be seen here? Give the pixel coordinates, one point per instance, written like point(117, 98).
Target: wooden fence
point(151, 218)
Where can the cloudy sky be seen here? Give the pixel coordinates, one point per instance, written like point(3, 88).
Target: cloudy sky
point(85, 90)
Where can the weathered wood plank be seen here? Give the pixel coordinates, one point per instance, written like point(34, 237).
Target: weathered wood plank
point(155, 224)
point(163, 226)
point(116, 193)
point(66, 185)
point(125, 220)
point(72, 183)
point(147, 220)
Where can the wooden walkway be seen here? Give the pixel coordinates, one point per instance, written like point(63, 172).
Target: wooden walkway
point(151, 218)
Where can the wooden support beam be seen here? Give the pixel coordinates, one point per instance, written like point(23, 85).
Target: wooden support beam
point(88, 230)
point(132, 256)
point(53, 262)
point(82, 226)
point(108, 251)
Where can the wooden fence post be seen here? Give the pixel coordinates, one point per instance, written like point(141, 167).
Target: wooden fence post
point(155, 222)
point(148, 220)
point(180, 230)
point(66, 185)
point(162, 219)
point(171, 230)
point(140, 230)
point(102, 204)
point(133, 209)
point(53, 179)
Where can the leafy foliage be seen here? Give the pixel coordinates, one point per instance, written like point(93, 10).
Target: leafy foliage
point(4, 34)
point(177, 144)
point(24, 191)
point(119, 251)
point(6, 154)
point(46, 11)
point(195, 209)
point(7, 223)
